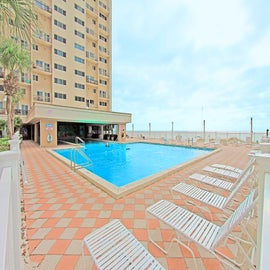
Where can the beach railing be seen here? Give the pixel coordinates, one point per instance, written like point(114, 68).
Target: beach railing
point(192, 137)
point(10, 201)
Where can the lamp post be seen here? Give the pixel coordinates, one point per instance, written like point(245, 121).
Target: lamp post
point(149, 133)
point(204, 130)
point(172, 130)
point(251, 130)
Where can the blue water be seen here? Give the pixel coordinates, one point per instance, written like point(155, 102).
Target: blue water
point(121, 164)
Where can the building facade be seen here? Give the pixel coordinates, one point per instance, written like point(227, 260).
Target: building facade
point(68, 92)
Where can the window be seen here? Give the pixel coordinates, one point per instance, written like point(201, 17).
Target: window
point(102, 103)
point(47, 67)
point(102, 38)
point(103, 71)
point(94, 91)
point(59, 24)
point(90, 102)
point(90, 31)
point(103, 16)
point(35, 77)
point(78, 72)
point(24, 109)
point(24, 44)
point(59, 38)
point(102, 49)
point(79, 8)
point(60, 67)
point(39, 63)
point(102, 93)
point(103, 82)
point(79, 21)
point(43, 96)
point(1, 87)
point(89, 7)
point(60, 10)
point(79, 34)
point(47, 97)
point(103, 60)
point(60, 53)
point(25, 77)
point(90, 55)
point(60, 95)
point(102, 4)
point(79, 85)
point(102, 27)
point(79, 47)
point(60, 81)
point(39, 96)
point(93, 44)
point(35, 47)
point(81, 99)
point(79, 59)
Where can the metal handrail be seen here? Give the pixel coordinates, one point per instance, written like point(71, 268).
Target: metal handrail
point(74, 164)
point(78, 139)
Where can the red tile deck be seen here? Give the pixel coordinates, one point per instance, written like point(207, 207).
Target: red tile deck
point(62, 207)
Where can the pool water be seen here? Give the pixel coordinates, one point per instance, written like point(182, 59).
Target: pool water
point(121, 164)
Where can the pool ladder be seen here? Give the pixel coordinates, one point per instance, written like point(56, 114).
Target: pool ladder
point(79, 140)
point(77, 149)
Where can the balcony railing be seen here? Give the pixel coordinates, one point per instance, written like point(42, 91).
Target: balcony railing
point(43, 36)
point(42, 99)
point(25, 80)
point(43, 6)
point(43, 68)
point(91, 80)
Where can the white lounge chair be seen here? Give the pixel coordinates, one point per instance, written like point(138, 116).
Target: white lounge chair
point(227, 185)
point(204, 233)
point(114, 247)
point(213, 181)
point(228, 173)
point(226, 167)
point(211, 198)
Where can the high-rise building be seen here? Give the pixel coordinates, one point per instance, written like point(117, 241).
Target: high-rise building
point(68, 92)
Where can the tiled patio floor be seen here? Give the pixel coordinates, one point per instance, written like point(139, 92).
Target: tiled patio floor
point(62, 207)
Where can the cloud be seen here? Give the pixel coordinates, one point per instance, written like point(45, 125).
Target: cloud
point(171, 60)
point(260, 53)
point(217, 23)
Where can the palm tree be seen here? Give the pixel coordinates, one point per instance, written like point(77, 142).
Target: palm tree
point(3, 125)
point(14, 60)
point(17, 18)
point(17, 123)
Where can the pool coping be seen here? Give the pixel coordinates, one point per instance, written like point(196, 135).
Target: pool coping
point(120, 192)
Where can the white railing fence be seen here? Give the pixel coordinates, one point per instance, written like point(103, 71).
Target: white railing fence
point(263, 235)
point(184, 136)
point(10, 202)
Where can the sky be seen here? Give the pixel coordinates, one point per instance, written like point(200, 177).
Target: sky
point(185, 61)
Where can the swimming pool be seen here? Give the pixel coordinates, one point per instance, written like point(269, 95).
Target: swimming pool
point(123, 165)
